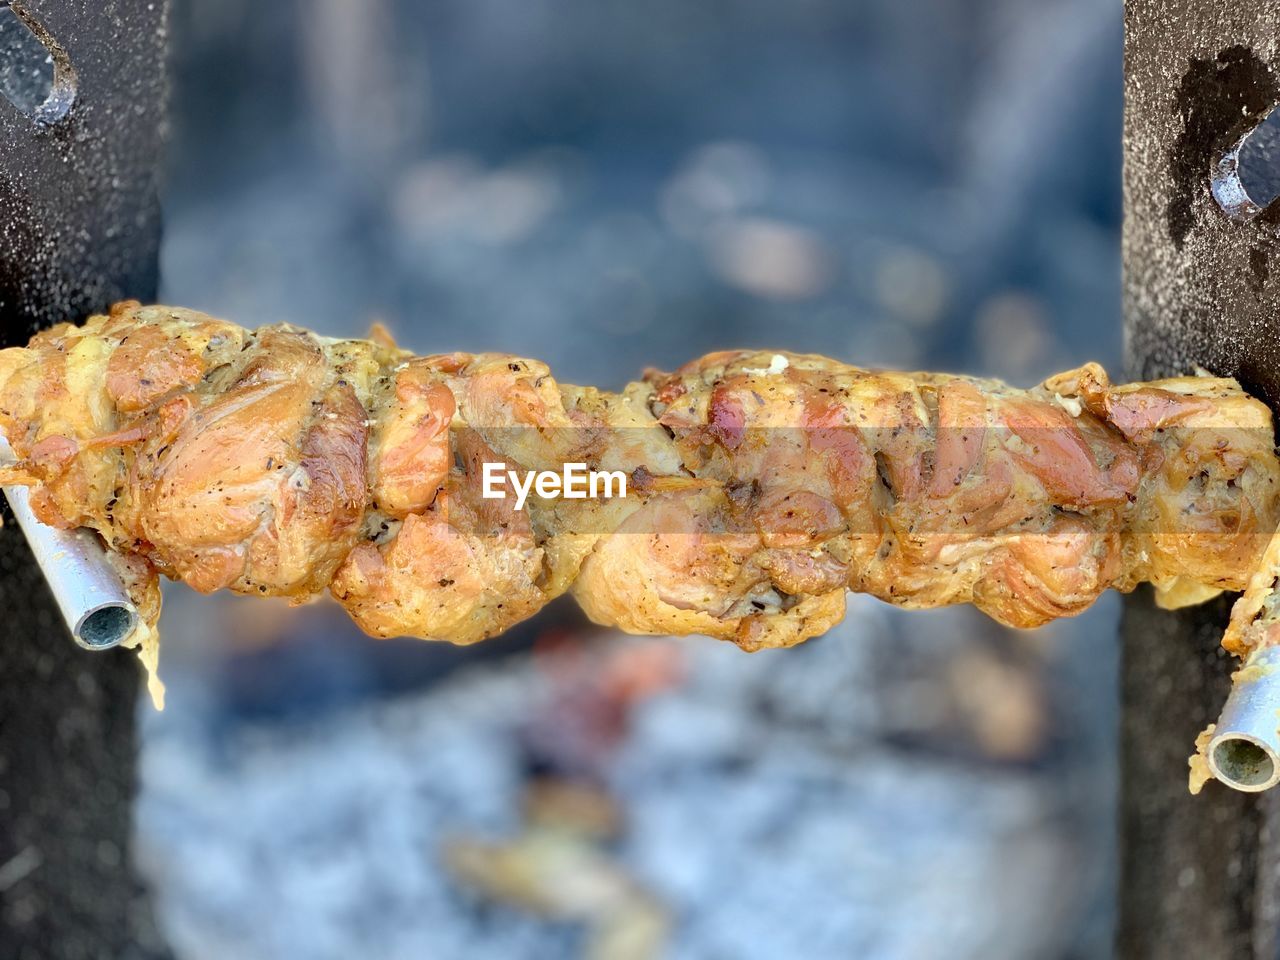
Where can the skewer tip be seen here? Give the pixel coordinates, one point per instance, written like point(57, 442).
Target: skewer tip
point(1244, 752)
point(105, 626)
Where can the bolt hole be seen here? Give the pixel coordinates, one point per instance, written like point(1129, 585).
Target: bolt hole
point(1259, 161)
point(35, 73)
point(1242, 763)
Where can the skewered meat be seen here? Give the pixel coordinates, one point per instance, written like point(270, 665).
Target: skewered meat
point(761, 486)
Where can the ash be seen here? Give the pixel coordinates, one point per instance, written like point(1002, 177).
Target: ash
point(841, 799)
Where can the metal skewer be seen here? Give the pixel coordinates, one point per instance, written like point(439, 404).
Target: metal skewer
point(90, 595)
point(1245, 750)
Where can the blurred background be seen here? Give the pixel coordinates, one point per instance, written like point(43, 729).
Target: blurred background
point(609, 185)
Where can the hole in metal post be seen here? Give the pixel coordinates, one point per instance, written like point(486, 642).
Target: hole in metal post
point(1247, 179)
point(1259, 163)
point(26, 67)
point(35, 73)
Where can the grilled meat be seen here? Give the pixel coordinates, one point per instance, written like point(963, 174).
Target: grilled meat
point(761, 487)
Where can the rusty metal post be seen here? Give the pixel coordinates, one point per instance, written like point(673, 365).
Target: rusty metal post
point(79, 228)
point(1199, 875)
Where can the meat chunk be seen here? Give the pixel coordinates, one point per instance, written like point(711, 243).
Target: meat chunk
point(761, 486)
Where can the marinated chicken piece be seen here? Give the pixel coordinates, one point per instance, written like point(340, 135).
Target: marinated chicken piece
point(411, 454)
point(760, 486)
point(260, 487)
point(463, 568)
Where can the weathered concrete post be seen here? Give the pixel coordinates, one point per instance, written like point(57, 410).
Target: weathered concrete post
point(79, 228)
point(1198, 874)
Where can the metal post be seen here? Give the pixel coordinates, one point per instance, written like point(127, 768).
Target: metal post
point(1201, 288)
point(79, 228)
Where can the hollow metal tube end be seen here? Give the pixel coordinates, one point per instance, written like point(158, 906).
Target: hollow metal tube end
point(105, 626)
point(1244, 751)
point(93, 599)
